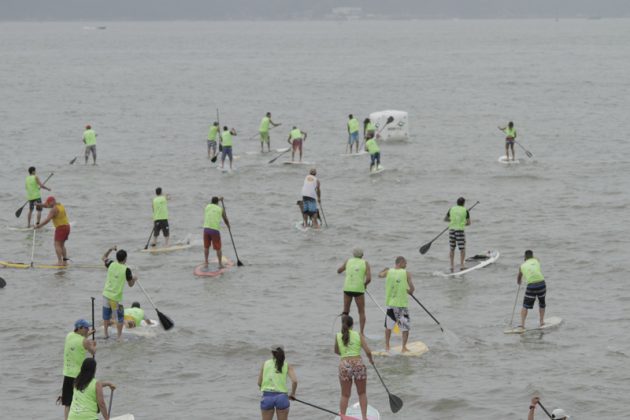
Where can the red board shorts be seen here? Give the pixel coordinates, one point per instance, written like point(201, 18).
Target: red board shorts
point(61, 233)
point(297, 144)
point(211, 236)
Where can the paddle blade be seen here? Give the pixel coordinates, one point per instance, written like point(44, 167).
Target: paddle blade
point(529, 154)
point(167, 323)
point(395, 403)
point(73, 160)
point(390, 120)
point(18, 212)
point(239, 263)
point(424, 248)
point(214, 158)
point(2, 283)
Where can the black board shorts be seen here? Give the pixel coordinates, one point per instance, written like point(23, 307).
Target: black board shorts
point(160, 225)
point(67, 391)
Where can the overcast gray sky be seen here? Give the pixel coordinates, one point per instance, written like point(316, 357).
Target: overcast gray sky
point(302, 9)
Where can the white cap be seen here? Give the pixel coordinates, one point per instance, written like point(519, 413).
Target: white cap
point(559, 413)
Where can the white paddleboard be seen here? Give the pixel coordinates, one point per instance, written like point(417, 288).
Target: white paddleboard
point(156, 250)
point(492, 256)
point(288, 162)
point(299, 226)
point(354, 154)
point(227, 169)
point(550, 322)
point(416, 349)
point(355, 411)
point(504, 160)
point(123, 417)
point(378, 170)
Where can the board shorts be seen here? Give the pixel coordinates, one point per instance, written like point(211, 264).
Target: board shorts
point(212, 145)
point(67, 391)
point(353, 137)
point(457, 237)
point(91, 149)
point(297, 144)
point(352, 368)
point(376, 158)
point(353, 294)
point(271, 400)
point(509, 141)
point(264, 136)
point(31, 203)
point(109, 306)
point(62, 233)
point(535, 291)
point(397, 314)
point(160, 225)
point(309, 206)
point(211, 236)
point(227, 151)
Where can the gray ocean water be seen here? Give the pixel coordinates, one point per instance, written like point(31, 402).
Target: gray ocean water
point(150, 90)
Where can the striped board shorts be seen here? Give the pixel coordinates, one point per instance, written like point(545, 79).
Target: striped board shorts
point(534, 291)
point(457, 237)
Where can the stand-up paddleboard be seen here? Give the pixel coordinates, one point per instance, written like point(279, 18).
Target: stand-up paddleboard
point(504, 160)
point(354, 154)
point(288, 162)
point(212, 270)
point(226, 169)
point(49, 226)
point(378, 170)
point(416, 349)
point(300, 226)
point(123, 417)
point(355, 411)
point(550, 322)
point(178, 247)
point(20, 265)
point(478, 261)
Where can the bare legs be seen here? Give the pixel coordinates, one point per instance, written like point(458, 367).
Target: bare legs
point(360, 302)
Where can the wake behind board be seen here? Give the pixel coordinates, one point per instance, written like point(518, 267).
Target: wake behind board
point(378, 170)
point(550, 322)
point(354, 412)
point(212, 270)
point(179, 247)
point(478, 261)
point(416, 349)
point(20, 265)
point(288, 162)
point(504, 160)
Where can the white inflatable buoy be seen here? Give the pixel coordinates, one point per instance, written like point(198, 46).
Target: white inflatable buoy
point(397, 130)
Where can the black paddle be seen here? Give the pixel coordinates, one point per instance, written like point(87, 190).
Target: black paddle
point(323, 215)
point(93, 330)
point(282, 153)
point(527, 152)
point(427, 311)
point(238, 261)
point(167, 323)
point(74, 159)
point(390, 120)
point(395, 403)
point(342, 416)
point(2, 283)
point(111, 399)
point(214, 158)
point(424, 248)
point(545, 410)
point(149, 240)
point(18, 212)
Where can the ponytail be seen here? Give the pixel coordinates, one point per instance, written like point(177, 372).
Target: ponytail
point(85, 376)
point(278, 355)
point(346, 325)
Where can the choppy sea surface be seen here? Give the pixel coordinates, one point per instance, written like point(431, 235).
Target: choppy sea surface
point(150, 90)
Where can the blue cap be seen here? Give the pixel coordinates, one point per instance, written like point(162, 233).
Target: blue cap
point(82, 323)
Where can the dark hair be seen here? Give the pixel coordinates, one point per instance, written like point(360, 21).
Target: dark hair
point(135, 305)
point(158, 190)
point(216, 123)
point(346, 325)
point(31, 170)
point(85, 376)
point(461, 201)
point(225, 128)
point(349, 115)
point(529, 254)
point(215, 200)
point(121, 255)
point(365, 121)
point(510, 124)
point(400, 260)
point(278, 355)
point(268, 114)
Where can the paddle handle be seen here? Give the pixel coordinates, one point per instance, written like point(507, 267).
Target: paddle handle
point(427, 311)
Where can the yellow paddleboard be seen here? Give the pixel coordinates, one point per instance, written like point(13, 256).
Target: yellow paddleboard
point(416, 349)
point(8, 264)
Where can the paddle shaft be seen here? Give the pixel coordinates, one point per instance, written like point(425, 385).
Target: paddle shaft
point(18, 213)
point(527, 152)
point(254, 135)
point(396, 327)
point(145, 293)
point(323, 215)
point(545, 410)
point(33, 247)
point(149, 240)
point(518, 290)
point(316, 406)
point(238, 261)
point(427, 311)
point(389, 120)
point(282, 153)
point(382, 381)
point(93, 331)
point(111, 400)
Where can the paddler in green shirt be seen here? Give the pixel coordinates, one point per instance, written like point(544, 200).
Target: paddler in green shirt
point(358, 276)
point(212, 139)
point(117, 274)
point(353, 132)
point(226, 145)
point(213, 214)
point(89, 139)
point(135, 315)
point(75, 351)
point(510, 138)
point(458, 218)
point(371, 146)
point(160, 217)
point(398, 286)
point(369, 129)
point(264, 131)
point(34, 195)
point(536, 287)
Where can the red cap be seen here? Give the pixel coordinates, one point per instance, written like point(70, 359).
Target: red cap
point(50, 200)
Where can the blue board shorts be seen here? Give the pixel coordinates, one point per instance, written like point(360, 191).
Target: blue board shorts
point(227, 150)
point(535, 291)
point(109, 306)
point(353, 137)
point(309, 205)
point(271, 400)
point(376, 158)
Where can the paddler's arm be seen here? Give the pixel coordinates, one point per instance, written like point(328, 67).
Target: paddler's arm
point(519, 278)
point(368, 274)
point(318, 190)
point(366, 349)
point(41, 185)
point(260, 376)
point(447, 218)
point(467, 218)
point(337, 347)
point(304, 138)
point(294, 381)
point(532, 408)
point(342, 268)
point(131, 278)
point(101, 401)
point(148, 321)
point(383, 273)
point(273, 123)
point(89, 345)
point(105, 256)
point(52, 213)
point(289, 139)
point(224, 215)
point(411, 288)
point(501, 128)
